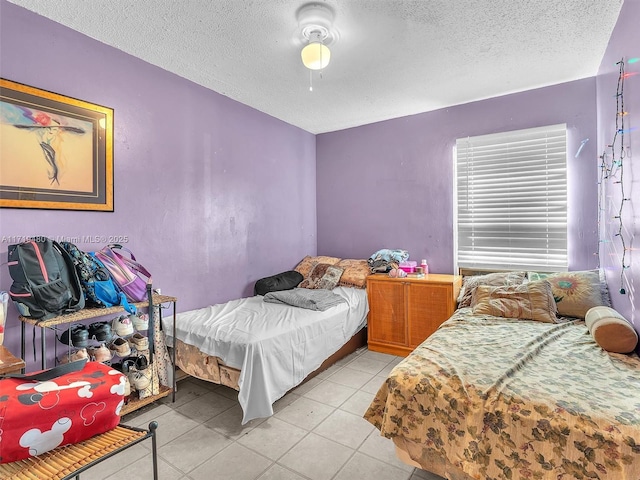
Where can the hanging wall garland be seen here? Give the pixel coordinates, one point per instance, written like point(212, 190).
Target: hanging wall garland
point(612, 170)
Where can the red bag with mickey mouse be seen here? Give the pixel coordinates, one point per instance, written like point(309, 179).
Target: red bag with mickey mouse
point(60, 406)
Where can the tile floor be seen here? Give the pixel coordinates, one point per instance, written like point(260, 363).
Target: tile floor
point(316, 433)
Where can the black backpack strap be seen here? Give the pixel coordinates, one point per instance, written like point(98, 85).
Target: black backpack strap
point(72, 279)
point(51, 373)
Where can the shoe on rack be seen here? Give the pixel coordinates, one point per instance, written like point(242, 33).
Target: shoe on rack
point(73, 356)
point(120, 347)
point(142, 363)
point(76, 336)
point(139, 341)
point(101, 353)
point(125, 366)
point(128, 364)
point(122, 326)
point(140, 321)
point(139, 380)
point(142, 353)
point(100, 331)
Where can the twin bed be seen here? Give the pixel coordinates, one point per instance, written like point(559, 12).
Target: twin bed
point(488, 396)
point(265, 349)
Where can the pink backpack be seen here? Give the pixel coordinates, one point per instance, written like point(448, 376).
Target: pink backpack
point(130, 276)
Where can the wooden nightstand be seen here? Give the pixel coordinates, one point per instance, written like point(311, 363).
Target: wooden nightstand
point(9, 363)
point(403, 312)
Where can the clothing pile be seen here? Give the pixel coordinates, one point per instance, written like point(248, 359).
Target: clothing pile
point(384, 260)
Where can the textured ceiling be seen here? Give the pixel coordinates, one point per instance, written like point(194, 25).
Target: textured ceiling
point(388, 59)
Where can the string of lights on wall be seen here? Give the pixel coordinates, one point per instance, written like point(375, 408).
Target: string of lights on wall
point(612, 163)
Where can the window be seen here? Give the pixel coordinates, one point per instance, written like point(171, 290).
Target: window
point(511, 195)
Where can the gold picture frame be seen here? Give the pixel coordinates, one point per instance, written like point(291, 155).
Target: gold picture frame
point(56, 152)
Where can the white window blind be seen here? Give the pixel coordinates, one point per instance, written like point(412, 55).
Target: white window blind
point(511, 194)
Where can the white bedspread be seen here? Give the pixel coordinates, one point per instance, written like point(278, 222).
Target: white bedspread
point(274, 346)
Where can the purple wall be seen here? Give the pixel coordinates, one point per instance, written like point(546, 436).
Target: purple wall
point(623, 44)
point(211, 193)
point(390, 184)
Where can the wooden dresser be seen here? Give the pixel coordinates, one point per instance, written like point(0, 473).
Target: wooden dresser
point(403, 312)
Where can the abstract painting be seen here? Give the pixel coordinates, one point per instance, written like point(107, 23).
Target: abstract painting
point(56, 152)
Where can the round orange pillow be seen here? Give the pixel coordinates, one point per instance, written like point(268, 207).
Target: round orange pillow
point(611, 330)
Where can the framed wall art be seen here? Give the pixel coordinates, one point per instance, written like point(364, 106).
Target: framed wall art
point(56, 152)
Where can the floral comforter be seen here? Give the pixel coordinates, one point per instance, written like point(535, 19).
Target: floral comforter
point(515, 399)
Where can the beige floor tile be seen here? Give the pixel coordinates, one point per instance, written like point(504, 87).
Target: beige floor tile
point(379, 356)
point(141, 418)
point(112, 465)
point(205, 407)
point(362, 467)
point(188, 390)
point(272, 438)
point(278, 472)
point(234, 462)
point(345, 428)
point(316, 457)
point(386, 370)
point(349, 358)
point(142, 469)
point(330, 393)
point(171, 425)
point(193, 448)
point(329, 371)
point(306, 386)
point(283, 402)
point(374, 384)
point(358, 403)
point(350, 378)
point(229, 423)
point(369, 365)
point(305, 413)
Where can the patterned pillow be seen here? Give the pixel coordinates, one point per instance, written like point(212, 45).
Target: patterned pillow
point(529, 301)
point(575, 292)
point(491, 279)
point(307, 263)
point(323, 276)
point(355, 273)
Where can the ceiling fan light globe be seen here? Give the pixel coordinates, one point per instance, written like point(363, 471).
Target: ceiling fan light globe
point(315, 56)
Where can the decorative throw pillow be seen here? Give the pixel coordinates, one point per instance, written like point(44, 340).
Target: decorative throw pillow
point(355, 273)
point(307, 263)
point(492, 279)
point(529, 301)
point(575, 292)
point(611, 330)
point(323, 276)
point(281, 281)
